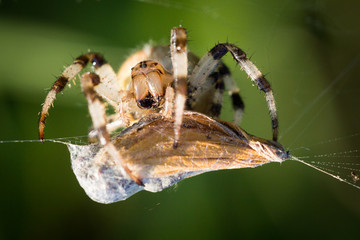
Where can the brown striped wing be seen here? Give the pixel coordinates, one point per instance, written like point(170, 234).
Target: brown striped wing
point(147, 147)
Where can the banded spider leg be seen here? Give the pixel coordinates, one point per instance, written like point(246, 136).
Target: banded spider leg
point(178, 50)
point(101, 83)
point(97, 112)
point(198, 80)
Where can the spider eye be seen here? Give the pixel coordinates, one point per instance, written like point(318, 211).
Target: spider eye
point(143, 64)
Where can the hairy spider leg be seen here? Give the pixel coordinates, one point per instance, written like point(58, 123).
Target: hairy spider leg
point(89, 81)
point(110, 127)
point(218, 79)
point(233, 91)
point(107, 88)
point(208, 63)
point(178, 50)
point(169, 103)
point(217, 99)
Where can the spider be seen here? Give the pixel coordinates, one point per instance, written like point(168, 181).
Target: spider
point(145, 84)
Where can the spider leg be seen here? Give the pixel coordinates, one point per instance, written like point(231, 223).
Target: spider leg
point(210, 61)
point(218, 80)
point(178, 50)
point(108, 88)
point(216, 104)
point(120, 119)
point(233, 90)
point(169, 103)
point(98, 116)
point(110, 127)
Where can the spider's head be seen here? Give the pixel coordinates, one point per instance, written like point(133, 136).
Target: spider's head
point(149, 82)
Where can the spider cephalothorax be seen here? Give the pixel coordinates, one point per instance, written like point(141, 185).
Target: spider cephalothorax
point(149, 82)
point(158, 79)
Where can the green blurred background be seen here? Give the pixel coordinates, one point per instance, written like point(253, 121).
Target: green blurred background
point(310, 52)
